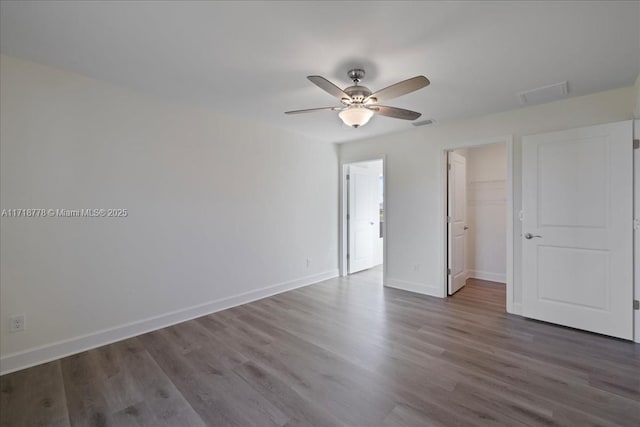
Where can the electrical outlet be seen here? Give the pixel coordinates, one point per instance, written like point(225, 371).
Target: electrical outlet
point(16, 323)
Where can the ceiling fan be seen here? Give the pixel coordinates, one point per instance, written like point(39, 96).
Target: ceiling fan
point(359, 104)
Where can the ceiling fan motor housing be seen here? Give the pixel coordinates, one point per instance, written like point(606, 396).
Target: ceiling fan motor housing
point(358, 93)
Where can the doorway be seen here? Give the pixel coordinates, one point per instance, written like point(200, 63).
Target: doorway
point(478, 218)
point(363, 217)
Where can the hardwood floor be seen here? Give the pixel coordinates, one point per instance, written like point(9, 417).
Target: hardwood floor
point(341, 352)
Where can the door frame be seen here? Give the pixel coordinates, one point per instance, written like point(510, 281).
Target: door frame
point(342, 223)
point(511, 213)
point(636, 234)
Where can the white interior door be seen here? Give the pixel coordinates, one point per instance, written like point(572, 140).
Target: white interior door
point(577, 229)
point(363, 217)
point(457, 222)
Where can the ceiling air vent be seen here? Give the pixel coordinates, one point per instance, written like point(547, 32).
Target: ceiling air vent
point(422, 122)
point(544, 94)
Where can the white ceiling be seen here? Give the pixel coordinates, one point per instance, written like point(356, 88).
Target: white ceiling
point(252, 58)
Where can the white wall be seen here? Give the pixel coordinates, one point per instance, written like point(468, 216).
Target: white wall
point(487, 163)
point(414, 171)
point(221, 211)
point(487, 212)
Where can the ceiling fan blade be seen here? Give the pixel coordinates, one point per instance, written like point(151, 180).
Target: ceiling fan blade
point(329, 87)
point(313, 110)
point(396, 113)
point(401, 88)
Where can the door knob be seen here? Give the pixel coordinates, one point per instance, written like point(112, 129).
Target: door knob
point(372, 223)
point(466, 228)
point(531, 236)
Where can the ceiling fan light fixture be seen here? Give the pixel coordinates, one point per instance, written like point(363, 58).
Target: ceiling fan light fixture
point(355, 116)
point(359, 103)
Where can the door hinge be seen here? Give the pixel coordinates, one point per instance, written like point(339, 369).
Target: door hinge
point(636, 224)
point(636, 144)
point(348, 256)
point(348, 217)
point(636, 304)
point(449, 166)
point(448, 219)
point(448, 271)
point(348, 177)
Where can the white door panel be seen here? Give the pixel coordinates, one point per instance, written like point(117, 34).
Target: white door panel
point(577, 197)
point(457, 212)
point(582, 184)
point(364, 217)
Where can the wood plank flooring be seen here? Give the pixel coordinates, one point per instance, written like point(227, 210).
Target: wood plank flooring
point(344, 352)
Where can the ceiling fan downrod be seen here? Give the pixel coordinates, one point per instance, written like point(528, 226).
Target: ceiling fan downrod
point(356, 74)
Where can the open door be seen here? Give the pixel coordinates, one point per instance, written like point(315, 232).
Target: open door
point(577, 228)
point(456, 218)
point(363, 217)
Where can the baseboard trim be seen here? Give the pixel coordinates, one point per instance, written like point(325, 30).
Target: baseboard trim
point(485, 275)
point(38, 355)
point(419, 288)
